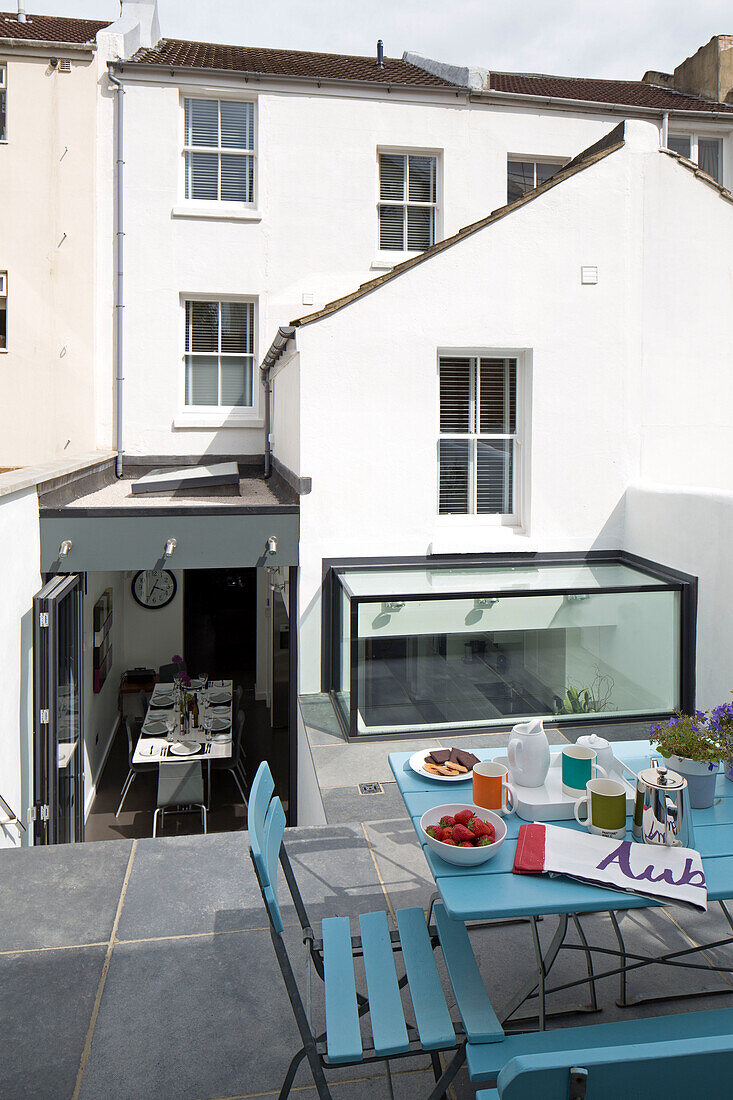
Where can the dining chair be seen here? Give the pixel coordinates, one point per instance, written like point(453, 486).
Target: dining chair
point(235, 763)
point(132, 729)
point(377, 947)
point(168, 673)
point(180, 787)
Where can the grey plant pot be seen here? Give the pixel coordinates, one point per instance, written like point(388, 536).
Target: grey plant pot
point(700, 780)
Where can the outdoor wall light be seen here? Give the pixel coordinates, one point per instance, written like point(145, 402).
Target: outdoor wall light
point(65, 548)
point(272, 544)
point(483, 602)
point(170, 547)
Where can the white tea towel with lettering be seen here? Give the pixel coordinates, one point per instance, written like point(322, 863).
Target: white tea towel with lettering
point(669, 874)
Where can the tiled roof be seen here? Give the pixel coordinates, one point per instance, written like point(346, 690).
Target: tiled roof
point(608, 144)
point(47, 28)
point(284, 63)
point(625, 93)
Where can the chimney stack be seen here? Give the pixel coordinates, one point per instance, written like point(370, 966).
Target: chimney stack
point(380, 54)
point(708, 73)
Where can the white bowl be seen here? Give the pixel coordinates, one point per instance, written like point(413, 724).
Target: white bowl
point(463, 857)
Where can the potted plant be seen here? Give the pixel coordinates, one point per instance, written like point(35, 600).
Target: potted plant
point(721, 721)
point(692, 747)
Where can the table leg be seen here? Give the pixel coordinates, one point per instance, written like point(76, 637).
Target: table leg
point(588, 962)
point(544, 964)
point(622, 989)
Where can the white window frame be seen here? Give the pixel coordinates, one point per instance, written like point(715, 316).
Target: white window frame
point(534, 159)
point(695, 136)
point(218, 416)
point(4, 300)
point(519, 518)
point(4, 92)
point(388, 257)
point(217, 208)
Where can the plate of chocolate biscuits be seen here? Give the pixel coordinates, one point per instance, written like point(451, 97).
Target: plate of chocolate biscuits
point(445, 765)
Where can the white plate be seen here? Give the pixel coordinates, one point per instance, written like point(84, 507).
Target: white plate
point(161, 701)
point(220, 724)
point(220, 697)
point(148, 750)
point(220, 737)
point(154, 727)
point(418, 759)
point(184, 748)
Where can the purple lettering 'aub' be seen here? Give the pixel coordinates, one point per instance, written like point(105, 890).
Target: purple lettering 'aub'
point(622, 854)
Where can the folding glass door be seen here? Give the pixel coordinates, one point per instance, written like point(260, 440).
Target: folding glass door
point(58, 769)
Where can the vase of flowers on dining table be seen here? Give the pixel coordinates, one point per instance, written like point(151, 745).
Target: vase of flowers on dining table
point(181, 681)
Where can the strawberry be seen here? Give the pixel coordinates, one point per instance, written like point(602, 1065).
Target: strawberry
point(466, 844)
point(435, 832)
point(449, 841)
point(461, 833)
point(446, 821)
point(447, 833)
point(483, 841)
point(463, 817)
point(483, 828)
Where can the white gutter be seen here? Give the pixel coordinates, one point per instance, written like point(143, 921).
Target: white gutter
point(120, 280)
point(30, 45)
point(591, 104)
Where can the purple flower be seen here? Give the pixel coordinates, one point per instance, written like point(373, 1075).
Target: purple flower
point(176, 659)
point(185, 679)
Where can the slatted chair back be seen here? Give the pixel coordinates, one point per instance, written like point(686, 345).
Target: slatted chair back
point(131, 729)
point(676, 1069)
point(261, 791)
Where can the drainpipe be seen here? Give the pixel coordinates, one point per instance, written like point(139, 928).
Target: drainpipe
point(120, 278)
point(665, 130)
point(268, 446)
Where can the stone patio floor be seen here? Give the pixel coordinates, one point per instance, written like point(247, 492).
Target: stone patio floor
point(144, 968)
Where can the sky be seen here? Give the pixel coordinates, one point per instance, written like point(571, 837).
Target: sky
point(618, 40)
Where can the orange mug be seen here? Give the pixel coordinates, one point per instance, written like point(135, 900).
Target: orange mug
point(491, 789)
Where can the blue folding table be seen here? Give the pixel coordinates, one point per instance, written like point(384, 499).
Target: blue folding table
point(492, 892)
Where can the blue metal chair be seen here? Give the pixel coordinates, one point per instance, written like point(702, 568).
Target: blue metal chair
point(392, 1036)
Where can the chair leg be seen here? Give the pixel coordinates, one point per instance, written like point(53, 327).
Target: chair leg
point(441, 1087)
point(234, 775)
point(437, 1068)
point(125, 788)
point(203, 817)
point(290, 1075)
point(155, 822)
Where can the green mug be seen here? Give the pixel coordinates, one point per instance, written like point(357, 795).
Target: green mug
point(605, 802)
point(579, 765)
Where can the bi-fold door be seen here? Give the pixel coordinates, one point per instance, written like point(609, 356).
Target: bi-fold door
point(58, 742)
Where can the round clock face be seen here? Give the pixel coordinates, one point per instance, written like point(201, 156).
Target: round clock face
point(153, 588)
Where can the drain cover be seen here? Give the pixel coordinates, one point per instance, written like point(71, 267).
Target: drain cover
point(371, 788)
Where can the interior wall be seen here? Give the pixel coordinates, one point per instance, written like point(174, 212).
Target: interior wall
point(152, 637)
point(101, 711)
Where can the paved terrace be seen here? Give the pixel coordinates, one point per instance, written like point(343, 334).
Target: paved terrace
point(144, 968)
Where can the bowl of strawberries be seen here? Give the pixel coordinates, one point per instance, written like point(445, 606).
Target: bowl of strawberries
point(462, 833)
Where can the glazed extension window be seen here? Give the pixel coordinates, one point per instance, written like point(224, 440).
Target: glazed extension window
point(477, 450)
point(3, 311)
point(219, 353)
point(219, 150)
point(407, 202)
point(706, 152)
point(523, 175)
point(3, 101)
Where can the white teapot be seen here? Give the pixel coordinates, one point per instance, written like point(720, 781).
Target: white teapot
point(602, 748)
point(529, 754)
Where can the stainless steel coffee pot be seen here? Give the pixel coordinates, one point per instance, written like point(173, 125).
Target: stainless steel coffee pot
point(662, 812)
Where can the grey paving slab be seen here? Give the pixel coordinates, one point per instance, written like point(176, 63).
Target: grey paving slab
point(62, 895)
point(402, 865)
point(335, 870)
point(189, 884)
point(346, 765)
point(46, 1001)
point(347, 804)
point(191, 1018)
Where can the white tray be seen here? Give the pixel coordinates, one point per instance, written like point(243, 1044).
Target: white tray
point(549, 802)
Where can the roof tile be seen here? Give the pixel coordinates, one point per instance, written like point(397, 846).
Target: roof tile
point(284, 63)
point(625, 93)
point(46, 28)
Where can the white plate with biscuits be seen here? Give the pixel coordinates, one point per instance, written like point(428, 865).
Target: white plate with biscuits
point(443, 773)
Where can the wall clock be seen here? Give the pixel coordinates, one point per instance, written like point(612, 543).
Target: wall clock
point(154, 588)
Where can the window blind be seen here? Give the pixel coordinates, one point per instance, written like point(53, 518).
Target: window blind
point(407, 202)
point(219, 150)
point(478, 433)
point(219, 353)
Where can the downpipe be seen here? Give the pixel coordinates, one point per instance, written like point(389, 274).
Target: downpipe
point(120, 276)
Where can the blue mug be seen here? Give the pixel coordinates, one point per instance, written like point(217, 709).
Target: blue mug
point(579, 766)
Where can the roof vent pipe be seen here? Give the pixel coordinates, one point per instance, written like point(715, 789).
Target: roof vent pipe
point(380, 54)
point(21, 12)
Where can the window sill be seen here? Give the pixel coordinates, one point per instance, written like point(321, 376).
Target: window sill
point(217, 212)
point(217, 419)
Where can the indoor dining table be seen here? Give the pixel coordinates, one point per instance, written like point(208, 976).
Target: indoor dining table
point(491, 891)
point(160, 748)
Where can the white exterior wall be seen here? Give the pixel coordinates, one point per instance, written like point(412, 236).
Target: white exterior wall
point(314, 230)
point(47, 239)
point(369, 384)
point(19, 557)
